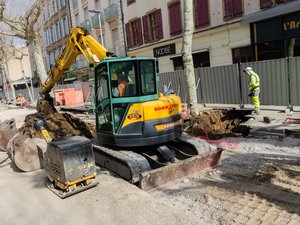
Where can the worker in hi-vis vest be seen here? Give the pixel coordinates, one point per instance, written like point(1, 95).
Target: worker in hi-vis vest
point(123, 81)
point(254, 88)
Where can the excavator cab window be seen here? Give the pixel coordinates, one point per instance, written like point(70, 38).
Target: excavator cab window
point(123, 79)
point(103, 109)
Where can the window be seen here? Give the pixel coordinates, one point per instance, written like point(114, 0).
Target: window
point(232, 9)
point(175, 18)
point(104, 118)
point(134, 33)
point(147, 73)
point(77, 19)
point(200, 59)
point(201, 13)
point(58, 31)
point(66, 25)
point(63, 33)
point(54, 6)
point(85, 13)
point(243, 54)
point(129, 2)
point(63, 3)
point(75, 4)
point(152, 26)
point(266, 3)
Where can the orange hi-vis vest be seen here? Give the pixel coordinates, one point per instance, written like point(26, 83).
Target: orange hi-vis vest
point(121, 87)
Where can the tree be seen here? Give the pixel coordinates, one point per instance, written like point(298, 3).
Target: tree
point(24, 28)
point(187, 55)
point(4, 56)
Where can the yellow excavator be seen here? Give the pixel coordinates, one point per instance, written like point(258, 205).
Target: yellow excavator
point(139, 131)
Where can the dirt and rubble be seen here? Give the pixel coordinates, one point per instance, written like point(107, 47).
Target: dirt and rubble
point(258, 183)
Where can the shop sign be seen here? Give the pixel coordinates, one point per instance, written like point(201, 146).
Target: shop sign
point(278, 28)
point(164, 50)
point(291, 25)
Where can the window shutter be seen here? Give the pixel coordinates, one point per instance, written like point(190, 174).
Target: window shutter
point(145, 29)
point(201, 13)
point(129, 2)
point(159, 26)
point(228, 8)
point(139, 31)
point(265, 3)
point(237, 8)
point(175, 18)
point(128, 36)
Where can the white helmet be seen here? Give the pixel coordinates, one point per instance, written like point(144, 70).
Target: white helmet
point(247, 69)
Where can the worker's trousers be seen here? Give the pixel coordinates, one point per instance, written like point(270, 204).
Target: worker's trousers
point(255, 98)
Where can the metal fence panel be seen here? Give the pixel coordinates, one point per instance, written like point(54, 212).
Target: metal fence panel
point(176, 81)
point(273, 82)
point(219, 84)
point(294, 71)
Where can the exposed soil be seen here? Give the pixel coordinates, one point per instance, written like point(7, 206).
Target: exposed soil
point(57, 124)
point(216, 124)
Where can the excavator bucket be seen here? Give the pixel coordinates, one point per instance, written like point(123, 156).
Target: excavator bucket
point(151, 168)
point(168, 174)
point(7, 130)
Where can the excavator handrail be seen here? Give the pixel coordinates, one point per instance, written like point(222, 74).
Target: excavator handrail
point(79, 42)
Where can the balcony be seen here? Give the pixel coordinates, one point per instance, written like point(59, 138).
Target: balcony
point(111, 13)
point(86, 24)
point(95, 19)
point(75, 4)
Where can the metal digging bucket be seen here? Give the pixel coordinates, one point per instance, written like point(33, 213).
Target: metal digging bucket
point(7, 130)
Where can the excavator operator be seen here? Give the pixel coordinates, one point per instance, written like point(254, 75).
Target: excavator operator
point(123, 81)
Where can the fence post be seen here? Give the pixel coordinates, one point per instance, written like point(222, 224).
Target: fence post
point(238, 68)
point(289, 84)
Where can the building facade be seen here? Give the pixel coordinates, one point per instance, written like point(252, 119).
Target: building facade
point(155, 28)
point(56, 25)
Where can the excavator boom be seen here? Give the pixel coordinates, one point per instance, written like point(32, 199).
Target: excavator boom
point(79, 43)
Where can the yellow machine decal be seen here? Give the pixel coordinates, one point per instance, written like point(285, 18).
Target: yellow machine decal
point(164, 107)
point(167, 126)
point(134, 114)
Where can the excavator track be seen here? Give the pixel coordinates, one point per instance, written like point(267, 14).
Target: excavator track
point(154, 166)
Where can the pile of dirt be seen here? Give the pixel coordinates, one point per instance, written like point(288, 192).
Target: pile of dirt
point(57, 124)
point(216, 124)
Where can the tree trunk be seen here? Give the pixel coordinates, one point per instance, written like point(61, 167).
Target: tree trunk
point(10, 83)
point(26, 84)
point(38, 58)
point(187, 55)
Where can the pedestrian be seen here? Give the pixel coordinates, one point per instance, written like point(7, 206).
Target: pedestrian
point(254, 88)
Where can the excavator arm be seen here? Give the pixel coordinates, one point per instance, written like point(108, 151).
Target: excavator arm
point(79, 42)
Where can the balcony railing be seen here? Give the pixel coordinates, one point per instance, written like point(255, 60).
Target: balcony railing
point(86, 24)
point(95, 19)
point(111, 12)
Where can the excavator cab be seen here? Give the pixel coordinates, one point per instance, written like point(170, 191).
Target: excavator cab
point(129, 110)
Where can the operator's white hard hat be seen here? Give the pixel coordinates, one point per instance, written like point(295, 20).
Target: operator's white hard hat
point(247, 69)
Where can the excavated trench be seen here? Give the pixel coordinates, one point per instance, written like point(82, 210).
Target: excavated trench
point(216, 124)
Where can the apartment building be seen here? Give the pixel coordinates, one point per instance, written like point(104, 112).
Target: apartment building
point(103, 20)
point(56, 25)
point(225, 32)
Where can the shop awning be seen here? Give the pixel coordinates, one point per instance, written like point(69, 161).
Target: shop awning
point(273, 12)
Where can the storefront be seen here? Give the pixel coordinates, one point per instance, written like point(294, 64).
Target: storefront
point(275, 33)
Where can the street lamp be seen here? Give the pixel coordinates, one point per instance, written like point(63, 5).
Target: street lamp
point(99, 18)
